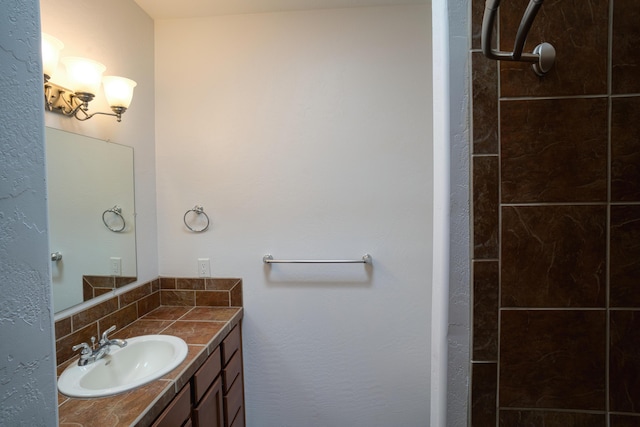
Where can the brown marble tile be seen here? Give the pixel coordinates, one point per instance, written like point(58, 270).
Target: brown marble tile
point(87, 290)
point(168, 313)
point(63, 345)
point(83, 318)
point(142, 327)
point(236, 295)
point(624, 369)
point(167, 283)
point(119, 318)
point(194, 333)
point(483, 394)
point(625, 47)
point(147, 304)
point(155, 285)
point(625, 256)
point(619, 420)
point(62, 398)
point(221, 314)
point(63, 327)
point(554, 150)
point(184, 298)
point(135, 294)
point(485, 207)
point(221, 284)
point(189, 283)
point(485, 310)
point(485, 104)
point(579, 32)
point(121, 281)
point(100, 291)
point(552, 359)
point(100, 281)
point(553, 256)
point(511, 418)
point(115, 411)
point(212, 298)
point(625, 149)
point(477, 13)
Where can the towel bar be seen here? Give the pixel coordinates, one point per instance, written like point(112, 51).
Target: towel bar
point(366, 259)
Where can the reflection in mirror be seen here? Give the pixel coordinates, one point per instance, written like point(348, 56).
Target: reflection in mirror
point(91, 216)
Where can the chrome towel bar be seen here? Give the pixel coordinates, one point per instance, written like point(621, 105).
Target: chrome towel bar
point(542, 57)
point(366, 259)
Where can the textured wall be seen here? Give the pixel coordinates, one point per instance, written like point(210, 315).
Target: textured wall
point(311, 138)
point(459, 260)
point(556, 186)
point(27, 358)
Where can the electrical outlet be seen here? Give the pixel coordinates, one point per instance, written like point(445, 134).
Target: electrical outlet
point(116, 266)
point(204, 267)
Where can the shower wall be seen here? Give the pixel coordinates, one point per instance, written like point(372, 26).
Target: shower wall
point(556, 220)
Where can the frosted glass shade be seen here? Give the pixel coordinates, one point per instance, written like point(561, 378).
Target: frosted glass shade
point(51, 48)
point(85, 75)
point(118, 90)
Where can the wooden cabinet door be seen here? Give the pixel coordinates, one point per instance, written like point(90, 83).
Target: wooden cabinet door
point(178, 410)
point(209, 413)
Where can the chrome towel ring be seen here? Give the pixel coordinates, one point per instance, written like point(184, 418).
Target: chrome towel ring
point(198, 210)
point(117, 211)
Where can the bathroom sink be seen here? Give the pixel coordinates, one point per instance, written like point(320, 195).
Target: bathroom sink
point(144, 359)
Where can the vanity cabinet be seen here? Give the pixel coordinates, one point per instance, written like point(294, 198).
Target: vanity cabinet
point(214, 397)
point(178, 412)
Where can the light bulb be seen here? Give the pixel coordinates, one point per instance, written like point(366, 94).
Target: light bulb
point(118, 90)
point(51, 48)
point(85, 75)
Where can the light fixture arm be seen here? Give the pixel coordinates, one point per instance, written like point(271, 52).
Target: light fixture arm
point(61, 100)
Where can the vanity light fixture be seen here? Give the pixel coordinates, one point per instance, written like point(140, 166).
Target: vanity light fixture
point(85, 78)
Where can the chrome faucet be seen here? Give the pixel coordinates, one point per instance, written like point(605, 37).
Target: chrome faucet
point(91, 353)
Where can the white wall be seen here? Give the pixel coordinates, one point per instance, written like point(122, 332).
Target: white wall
point(308, 135)
point(120, 35)
point(27, 356)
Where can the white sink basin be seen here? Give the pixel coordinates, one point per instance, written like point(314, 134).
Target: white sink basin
point(144, 359)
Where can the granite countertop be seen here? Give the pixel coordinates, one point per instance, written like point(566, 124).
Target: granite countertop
point(202, 328)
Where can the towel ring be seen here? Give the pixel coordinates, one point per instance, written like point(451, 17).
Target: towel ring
point(199, 210)
point(117, 210)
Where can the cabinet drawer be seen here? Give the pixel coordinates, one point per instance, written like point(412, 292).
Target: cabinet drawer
point(230, 344)
point(208, 372)
point(231, 371)
point(178, 410)
point(239, 421)
point(233, 401)
point(209, 412)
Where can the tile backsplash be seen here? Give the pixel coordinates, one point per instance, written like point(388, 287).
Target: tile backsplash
point(127, 307)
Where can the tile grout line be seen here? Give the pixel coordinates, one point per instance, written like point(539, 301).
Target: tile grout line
point(608, 223)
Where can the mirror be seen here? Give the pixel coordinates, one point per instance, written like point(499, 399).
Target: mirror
point(91, 216)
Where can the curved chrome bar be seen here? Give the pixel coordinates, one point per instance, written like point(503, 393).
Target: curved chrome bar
point(199, 210)
point(117, 210)
point(542, 57)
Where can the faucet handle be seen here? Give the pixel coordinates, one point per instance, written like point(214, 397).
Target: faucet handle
point(105, 338)
point(86, 349)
